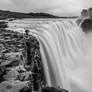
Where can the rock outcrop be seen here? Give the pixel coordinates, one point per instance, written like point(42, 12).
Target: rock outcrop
point(20, 63)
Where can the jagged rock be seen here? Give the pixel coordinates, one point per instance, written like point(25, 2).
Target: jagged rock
point(25, 76)
point(12, 86)
point(26, 89)
point(12, 74)
point(20, 59)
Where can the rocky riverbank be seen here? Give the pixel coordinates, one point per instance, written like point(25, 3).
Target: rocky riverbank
point(20, 62)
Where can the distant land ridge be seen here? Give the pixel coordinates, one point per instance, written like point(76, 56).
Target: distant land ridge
point(17, 15)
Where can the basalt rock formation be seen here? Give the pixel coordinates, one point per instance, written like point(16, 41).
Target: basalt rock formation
point(20, 63)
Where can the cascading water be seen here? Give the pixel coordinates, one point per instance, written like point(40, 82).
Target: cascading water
point(61, 46)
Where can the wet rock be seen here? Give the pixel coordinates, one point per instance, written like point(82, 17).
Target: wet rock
point(12, 86)
point(20, 59)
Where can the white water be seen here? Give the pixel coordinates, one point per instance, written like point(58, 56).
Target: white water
point(66, 56)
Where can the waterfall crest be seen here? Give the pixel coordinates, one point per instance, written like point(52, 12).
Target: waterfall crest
point(62, 52)
point(56, 41)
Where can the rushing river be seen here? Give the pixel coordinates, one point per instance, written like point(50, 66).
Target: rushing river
point(31, 23)
point(66, 54)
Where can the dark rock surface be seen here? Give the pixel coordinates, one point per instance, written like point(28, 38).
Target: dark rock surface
point(53, 89)
point(20, 63)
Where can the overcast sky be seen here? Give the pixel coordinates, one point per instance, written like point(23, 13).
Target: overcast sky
point(56, 7)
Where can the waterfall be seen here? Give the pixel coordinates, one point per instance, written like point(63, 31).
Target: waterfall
point(61, 46)
point(57, 47)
